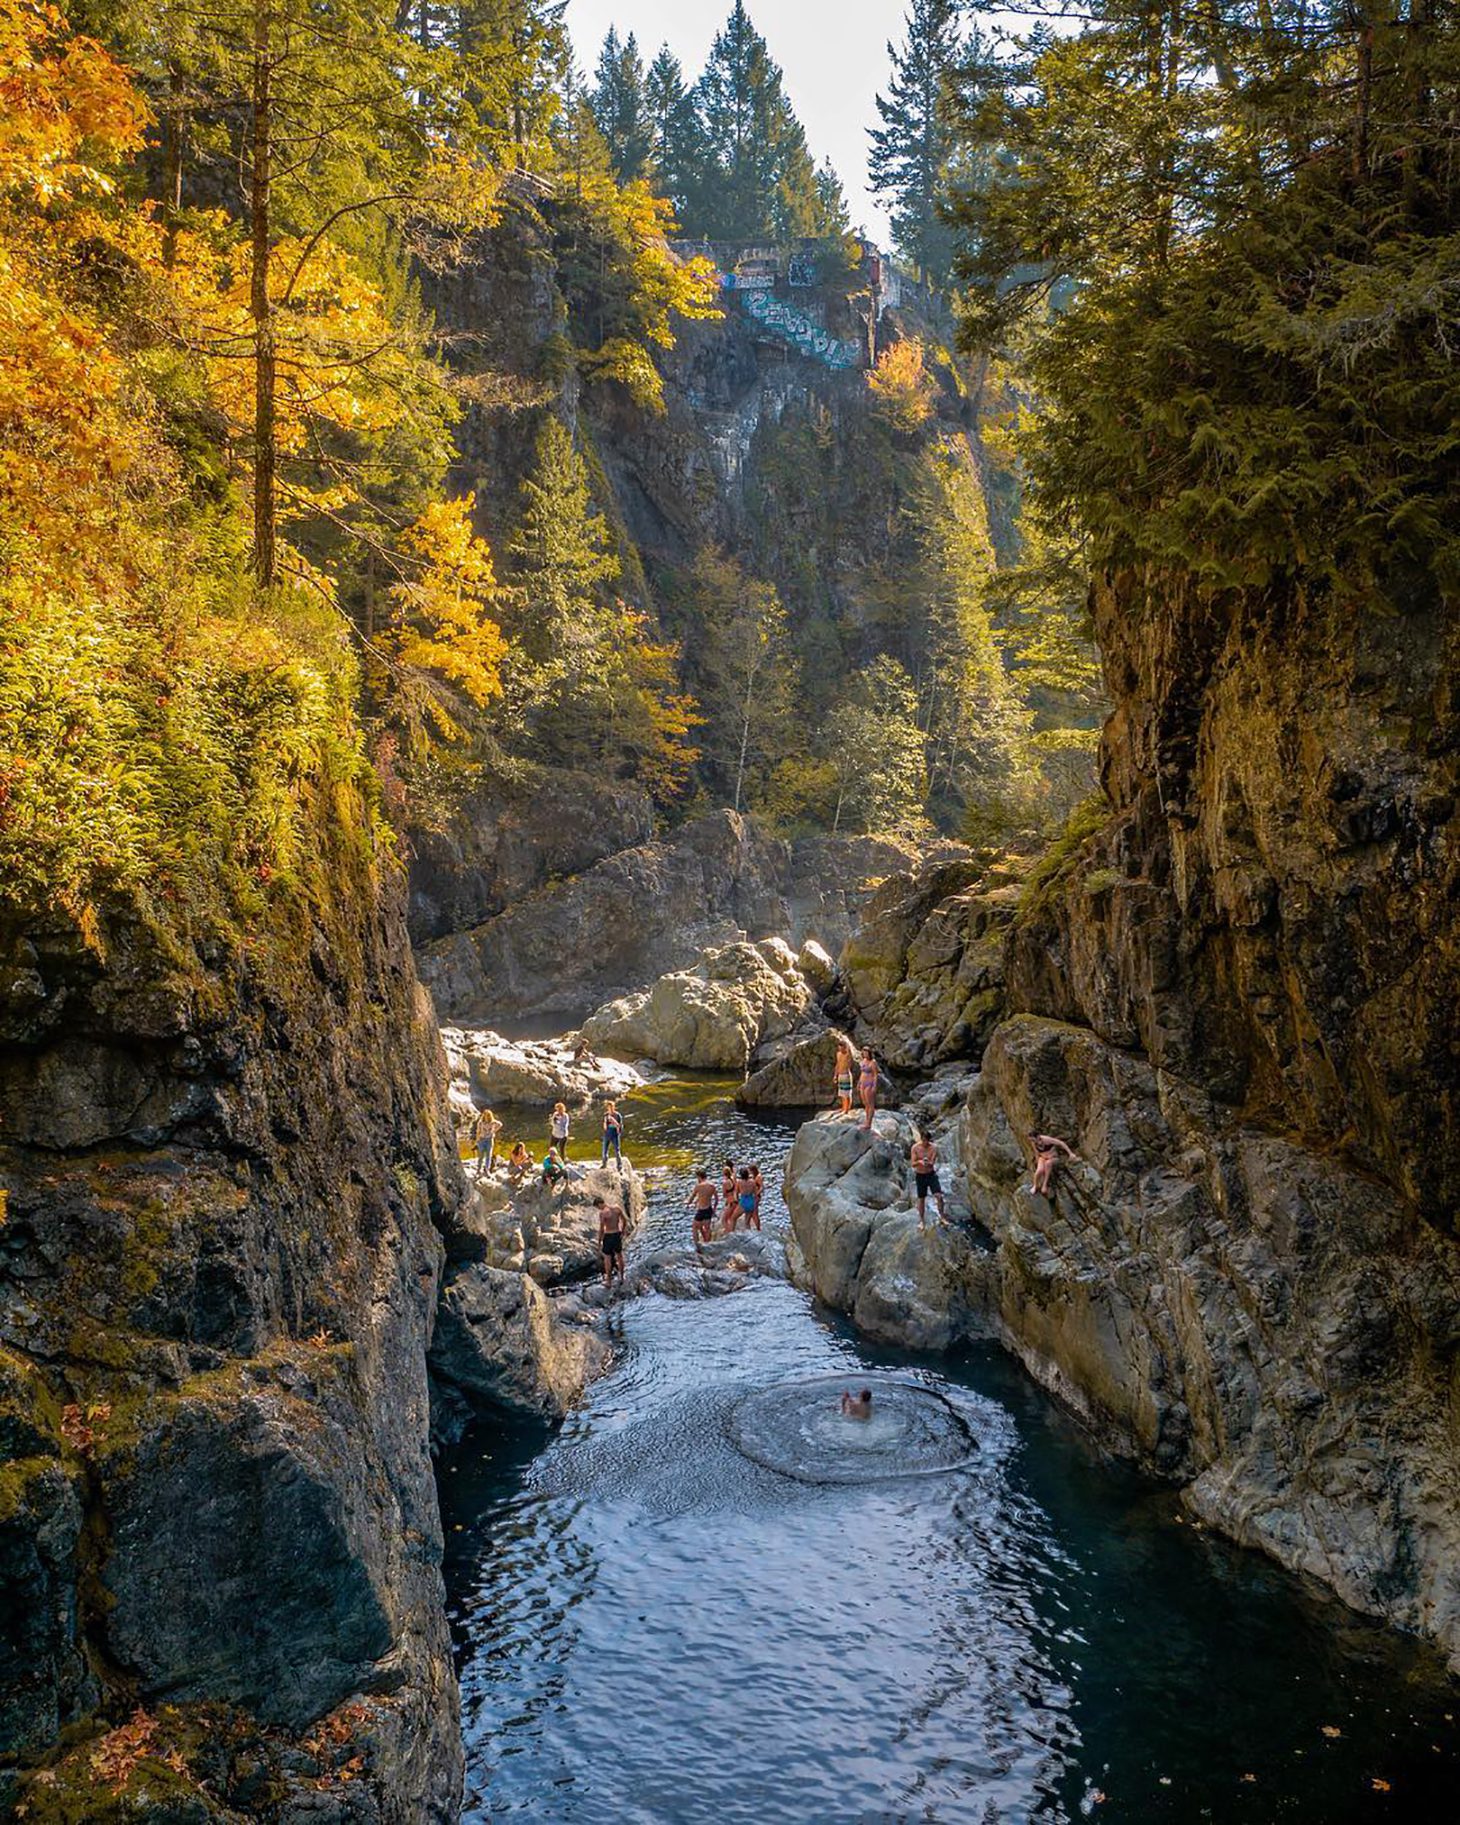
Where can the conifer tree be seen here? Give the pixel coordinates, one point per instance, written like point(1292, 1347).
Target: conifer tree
point(620, 104)
point(757, 179)
point(911, 149)
point(676, 145)
point(878, 755)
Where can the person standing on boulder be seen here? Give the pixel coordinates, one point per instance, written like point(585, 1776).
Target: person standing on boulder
point(757, 1185)
point(612, 1224)
point(924, 1158)
point(484, 1133)
point(559, 1126)
point(842, 1078)
point(727, 1195)
point(613, 1134)
point(869, 1077)
point(702, 1197)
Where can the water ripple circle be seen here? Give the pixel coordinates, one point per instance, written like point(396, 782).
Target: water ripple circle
point(797, 1429)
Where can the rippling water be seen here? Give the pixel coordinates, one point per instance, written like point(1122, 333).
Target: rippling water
point(657, 1626)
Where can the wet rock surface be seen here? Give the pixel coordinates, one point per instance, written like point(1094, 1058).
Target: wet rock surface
point(500, 1342)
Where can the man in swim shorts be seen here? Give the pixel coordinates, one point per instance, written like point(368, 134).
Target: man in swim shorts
point(924, 1157)
point(611, 1226)
point(702, 1200)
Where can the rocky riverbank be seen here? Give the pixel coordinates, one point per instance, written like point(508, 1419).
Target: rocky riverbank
point(1230, 987)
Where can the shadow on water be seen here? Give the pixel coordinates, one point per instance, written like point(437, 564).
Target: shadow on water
point(653, 1625)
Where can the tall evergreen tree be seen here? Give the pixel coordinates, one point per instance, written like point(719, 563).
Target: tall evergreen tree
point(758, 180)
point(620, 103)
point(911, 149)
point(676, 145)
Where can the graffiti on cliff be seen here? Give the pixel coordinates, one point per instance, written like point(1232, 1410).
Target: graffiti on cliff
point(801, 331)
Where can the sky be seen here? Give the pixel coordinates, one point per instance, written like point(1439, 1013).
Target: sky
point(833, 52)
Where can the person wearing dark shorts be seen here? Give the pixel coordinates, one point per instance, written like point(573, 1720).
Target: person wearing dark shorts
point(611, 1225)
point(703, 1197)
point(924, 1157)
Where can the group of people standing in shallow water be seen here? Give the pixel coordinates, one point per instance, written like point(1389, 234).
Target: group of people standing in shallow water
point(738, 1195)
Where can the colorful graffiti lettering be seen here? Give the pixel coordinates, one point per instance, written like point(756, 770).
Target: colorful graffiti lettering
point(802, 332)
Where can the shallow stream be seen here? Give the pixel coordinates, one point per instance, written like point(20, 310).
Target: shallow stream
point(709, 1599)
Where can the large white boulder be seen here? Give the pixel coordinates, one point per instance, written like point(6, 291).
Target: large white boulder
point(712, 1016)
point(856, 1243)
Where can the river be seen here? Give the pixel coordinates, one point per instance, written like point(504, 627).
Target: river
point(655, 1628)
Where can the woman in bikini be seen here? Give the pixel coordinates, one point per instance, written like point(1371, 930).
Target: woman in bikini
point(868, 1079)
point(842, 1079)
point(729, 1199)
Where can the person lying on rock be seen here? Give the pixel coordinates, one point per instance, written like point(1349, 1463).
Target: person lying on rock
point(923, 1156)
point(519, 1163)
point(868, 1078)
point(703, 1197)
point(554, 1172)
point(612, 1224)
point(857, 1406)
point(1050, 1152)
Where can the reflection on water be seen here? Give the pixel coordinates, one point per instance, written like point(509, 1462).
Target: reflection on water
point(655, 1625)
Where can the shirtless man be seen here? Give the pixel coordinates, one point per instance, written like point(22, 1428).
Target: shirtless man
point(703, 1197)
point(924, 1158)
point(1048, 1149)
point(611, 1226)
point(857, 1406)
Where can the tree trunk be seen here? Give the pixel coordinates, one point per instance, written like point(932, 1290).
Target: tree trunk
point(265, 507)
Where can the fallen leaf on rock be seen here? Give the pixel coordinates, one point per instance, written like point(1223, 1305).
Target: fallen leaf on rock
point(1332, 1730)
point(1249, 1777)
point(1380, 1786)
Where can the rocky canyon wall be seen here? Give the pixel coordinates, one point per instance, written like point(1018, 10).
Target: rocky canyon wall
point(1236, 998)
point(227, 1165)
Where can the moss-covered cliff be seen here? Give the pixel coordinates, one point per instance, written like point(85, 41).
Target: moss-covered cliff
point(226, 1157)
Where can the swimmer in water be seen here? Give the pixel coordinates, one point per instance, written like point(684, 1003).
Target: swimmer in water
point(857, 1406)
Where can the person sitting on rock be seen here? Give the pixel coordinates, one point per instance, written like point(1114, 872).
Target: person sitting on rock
point(485, 1132)
point(924, 1158)
point(611, 1226)
point(1049, 1153)
point(868, 1078)
point(857, 1406)
point(554, 1172)
point(519, 1163)
point(559, 1125)
point(842, 1078)
point(613, 1134)
point(582, 1056)
point(702, 1199)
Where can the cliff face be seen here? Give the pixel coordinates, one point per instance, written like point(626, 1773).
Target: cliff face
point(1236, 1000)
point(219, 1540)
